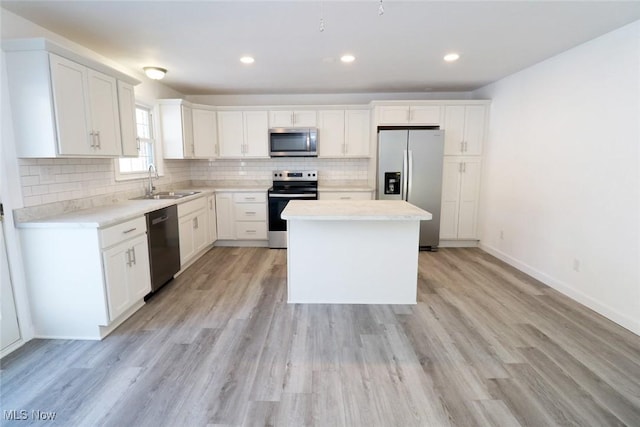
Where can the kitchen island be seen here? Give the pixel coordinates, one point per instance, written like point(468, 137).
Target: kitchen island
point(352, 252)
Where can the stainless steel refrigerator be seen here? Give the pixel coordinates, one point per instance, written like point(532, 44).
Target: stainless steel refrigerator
point(410, 168)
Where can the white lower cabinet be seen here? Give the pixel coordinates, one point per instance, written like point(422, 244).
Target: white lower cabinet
point(193, 219)
point(345, 195)
point(126, 270)
point(211, 218)
point(241, 215)
point(89, 281)
point(460, 193)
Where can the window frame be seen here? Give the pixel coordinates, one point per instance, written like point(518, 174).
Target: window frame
point(157, 149)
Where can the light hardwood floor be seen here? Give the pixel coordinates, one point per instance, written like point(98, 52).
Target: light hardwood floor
point(486, 345)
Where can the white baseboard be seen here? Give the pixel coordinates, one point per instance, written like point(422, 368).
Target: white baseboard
point(11, 348)
point(458, 244)
point(242, 243)
point(623, 320)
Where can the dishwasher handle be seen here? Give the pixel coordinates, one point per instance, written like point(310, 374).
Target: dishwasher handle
point(159, 220)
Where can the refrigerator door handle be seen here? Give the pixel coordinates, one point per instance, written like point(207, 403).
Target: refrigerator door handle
point(409, 172)
point(405, 174)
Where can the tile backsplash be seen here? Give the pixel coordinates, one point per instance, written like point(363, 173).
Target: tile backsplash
point(46, 181)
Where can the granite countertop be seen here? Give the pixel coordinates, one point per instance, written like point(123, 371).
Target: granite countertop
point(111, 214)
point(354, 210)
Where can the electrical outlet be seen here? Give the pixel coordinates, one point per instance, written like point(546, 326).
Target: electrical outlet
point(576, 265)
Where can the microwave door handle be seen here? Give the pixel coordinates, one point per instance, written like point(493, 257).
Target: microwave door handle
point(308, 142)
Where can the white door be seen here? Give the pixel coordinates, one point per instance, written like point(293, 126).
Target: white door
point(230, 133)
point(256, 134)
point(187, 131)
point(393, 115)
point(200, 231)
point(331, 133)
point(451, 174)
point(357, 125)
point(225, 217)
point(116, 262)
point(425, 115)
point(9, 331)
point(69, 83)
point(205, 139)
point(139, 281)
point(127, 103)
point(474, 123)
point(454, 129)
point(305, 119)
point(469, 189)
point(280, 119)
point(105, 117)
point(185, 230)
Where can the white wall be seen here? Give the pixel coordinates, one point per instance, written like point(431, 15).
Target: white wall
point(561, 174)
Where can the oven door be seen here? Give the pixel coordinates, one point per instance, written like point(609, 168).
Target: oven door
point(277, 225)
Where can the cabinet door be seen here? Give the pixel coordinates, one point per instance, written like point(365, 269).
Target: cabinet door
point(230, 133)
point(393, 115)
point(200, 230)
point(425, 115)
point(305, 119)
point(256, 134)
point(357, 125)
point(129, 134)
point(205, 138)
point(331, 133)
point(69, 83)
point(105, 117)
point(139, 280)
point(454, 129)
point(213, 228)
point(187, 132)
point(187, 246)
point(117, 262)
point(451, 176)
point(225, 218)
point(281, 119)
point(469, 189)
point(474, 129)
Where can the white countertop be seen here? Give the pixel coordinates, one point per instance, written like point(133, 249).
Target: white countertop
point(107, 215)
point(353, 210)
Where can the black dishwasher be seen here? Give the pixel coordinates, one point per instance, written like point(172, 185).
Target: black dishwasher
point(164, 245)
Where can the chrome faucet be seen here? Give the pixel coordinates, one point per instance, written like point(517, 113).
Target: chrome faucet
point(151, 187)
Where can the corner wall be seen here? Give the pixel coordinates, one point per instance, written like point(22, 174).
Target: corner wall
point(561, 179)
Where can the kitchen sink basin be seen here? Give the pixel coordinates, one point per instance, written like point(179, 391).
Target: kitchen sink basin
point(166, 195)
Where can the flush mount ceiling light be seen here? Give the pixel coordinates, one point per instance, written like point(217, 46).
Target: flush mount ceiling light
point(451, 57)
point(247, 60)
point(347, 58)
point(155, 73)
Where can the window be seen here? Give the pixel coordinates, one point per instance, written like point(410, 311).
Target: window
point(133, 167)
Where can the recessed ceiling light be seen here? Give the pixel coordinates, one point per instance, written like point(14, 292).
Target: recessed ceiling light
point(450, 57)
point(347, 58)
point(247, 60)
point(155, 73)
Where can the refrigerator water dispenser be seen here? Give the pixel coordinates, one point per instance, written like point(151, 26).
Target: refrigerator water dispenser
point(392, 183)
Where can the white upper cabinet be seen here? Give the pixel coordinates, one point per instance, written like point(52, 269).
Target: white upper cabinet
point(243, 134)
point(409, 114)
point(464, 129)
point(293, 119)
point(205, 133)
point(64, 107)
point(176, 127)
point(127, 103)
point(344, 133)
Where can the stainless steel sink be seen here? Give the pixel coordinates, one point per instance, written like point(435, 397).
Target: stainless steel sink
point(160, 195)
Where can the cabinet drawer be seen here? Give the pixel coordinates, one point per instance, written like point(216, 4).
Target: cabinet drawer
point(251, 230)
point(123, 231)
point(344, 195)
point(250, 212)
point(192, 206)
point(249, 197)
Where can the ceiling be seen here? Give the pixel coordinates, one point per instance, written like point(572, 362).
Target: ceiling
point(200, 42)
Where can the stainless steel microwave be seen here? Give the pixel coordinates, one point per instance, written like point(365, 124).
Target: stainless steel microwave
point(293, 142)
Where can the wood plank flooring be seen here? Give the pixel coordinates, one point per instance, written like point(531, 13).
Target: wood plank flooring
point(486, 345)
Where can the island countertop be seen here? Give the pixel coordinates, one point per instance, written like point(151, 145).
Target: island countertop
point(353, 210)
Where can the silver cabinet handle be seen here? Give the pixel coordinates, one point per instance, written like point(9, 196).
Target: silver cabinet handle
point(99, 142)
point(460, 167)
point(92, 134)
point(129, 230)
point(462, 146)
point(251, 231)
point(249, 198)
point(210, 204)
point(133, 252)
point(464, 167)
point(345, 198)
point(195, 222)
point(128, 257)
point(138, 143)
point(249, 213)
